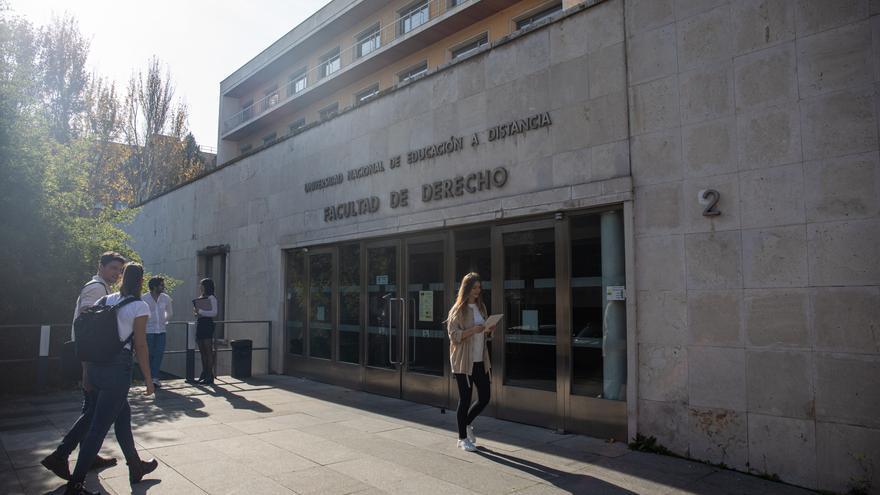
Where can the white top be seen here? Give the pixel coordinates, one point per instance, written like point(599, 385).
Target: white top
point(160, 312)
point(478, 338)
point(126, 315)
point(88, 296)
point(210, 313)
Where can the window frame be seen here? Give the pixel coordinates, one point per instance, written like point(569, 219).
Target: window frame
point(464, 49)
point(295, 78)
point(537, 14)
point(366, 94)
point(408, 13)
point(413, 72)
point(373, 34)
point(296, 125)
point(271, 97)
point(270, 138)
point(330, 59)
point(326, 112)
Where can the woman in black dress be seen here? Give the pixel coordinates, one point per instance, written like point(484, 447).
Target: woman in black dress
point(205, 329)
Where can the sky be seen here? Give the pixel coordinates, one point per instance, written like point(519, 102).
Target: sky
point(200, 41)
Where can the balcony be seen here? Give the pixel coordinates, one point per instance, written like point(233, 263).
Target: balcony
point(423, 25)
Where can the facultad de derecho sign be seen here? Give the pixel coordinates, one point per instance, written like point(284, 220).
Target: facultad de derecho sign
point(481, 180)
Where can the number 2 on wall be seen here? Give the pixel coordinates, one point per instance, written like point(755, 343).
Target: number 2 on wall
point(710, 198)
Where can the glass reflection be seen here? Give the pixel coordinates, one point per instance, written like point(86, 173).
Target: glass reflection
point(530, 309)
point(296, 301)
point(350, 303)
point(320, 304)
point(381, 287)
point(426, 298)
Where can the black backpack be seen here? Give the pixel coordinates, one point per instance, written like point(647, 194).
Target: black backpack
point(97, 332)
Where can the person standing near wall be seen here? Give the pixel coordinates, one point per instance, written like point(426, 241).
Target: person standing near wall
point(469, 356)
point(160, 314)
point(205, 308)
point(109, 270)
point(111, 380)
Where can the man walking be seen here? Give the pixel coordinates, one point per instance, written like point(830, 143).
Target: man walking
point(160, 314)
point(109, 270)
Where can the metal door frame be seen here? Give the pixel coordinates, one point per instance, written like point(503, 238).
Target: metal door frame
point(519, 403)
point(419, 387)
point(382, 381)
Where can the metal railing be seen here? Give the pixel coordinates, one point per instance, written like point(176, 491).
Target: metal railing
point(34, 356)
point(181, 339)
point(403, 27)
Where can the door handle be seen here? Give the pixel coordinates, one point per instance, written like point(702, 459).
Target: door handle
point(390, 328)
point(413, 328)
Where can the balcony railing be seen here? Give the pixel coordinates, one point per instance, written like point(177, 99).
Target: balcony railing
point(401, 28)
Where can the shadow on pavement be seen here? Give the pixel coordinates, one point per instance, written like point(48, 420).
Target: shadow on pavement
point(572, 483)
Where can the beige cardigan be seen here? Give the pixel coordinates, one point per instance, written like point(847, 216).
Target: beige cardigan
point(460, 356)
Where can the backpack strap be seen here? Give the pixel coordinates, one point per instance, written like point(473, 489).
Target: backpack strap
point(92, 282)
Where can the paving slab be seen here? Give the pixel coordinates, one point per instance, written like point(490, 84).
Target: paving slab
point(287, 435)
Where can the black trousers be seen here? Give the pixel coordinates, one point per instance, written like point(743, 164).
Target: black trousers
point(466, 412)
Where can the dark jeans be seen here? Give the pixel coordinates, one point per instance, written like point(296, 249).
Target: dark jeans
point(156, 348)
point(110, 383)
point(466, 412)
point(78, 430)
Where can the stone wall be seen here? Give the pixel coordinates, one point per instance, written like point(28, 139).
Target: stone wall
point(759, 329)
point(758, 342)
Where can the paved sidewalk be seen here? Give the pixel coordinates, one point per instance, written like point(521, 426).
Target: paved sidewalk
point(280, 434)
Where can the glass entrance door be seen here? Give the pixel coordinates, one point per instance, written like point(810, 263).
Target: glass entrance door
point(426, 347)
point(385, 307)
point(526, 258)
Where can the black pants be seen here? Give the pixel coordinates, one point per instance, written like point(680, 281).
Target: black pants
point(467, 413)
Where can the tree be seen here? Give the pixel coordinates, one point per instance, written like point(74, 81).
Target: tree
point(62, 64)
point(153, 128)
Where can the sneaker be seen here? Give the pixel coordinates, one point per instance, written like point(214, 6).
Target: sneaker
point(57, 464)
point(466, 445)
point(470, 435)
point(157, 383)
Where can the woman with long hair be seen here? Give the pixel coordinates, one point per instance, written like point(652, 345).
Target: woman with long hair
point(111, 381)
point(205, 330)
point(469, 356)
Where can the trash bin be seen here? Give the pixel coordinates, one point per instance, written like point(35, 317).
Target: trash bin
point(241, 358)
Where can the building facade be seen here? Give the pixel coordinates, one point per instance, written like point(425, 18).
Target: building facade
point(674, 204)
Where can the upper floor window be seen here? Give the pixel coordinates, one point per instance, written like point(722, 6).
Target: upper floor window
point(330, 63)
point(296, 125)
point(272, 97)
point(244, 148)
point(369, 41)
point(269, 138)
point(470, 46)
point(298, 82)
point(413, 72)
point(524, 22)
point(329, 111)
point(366, 94)
point(414, 16)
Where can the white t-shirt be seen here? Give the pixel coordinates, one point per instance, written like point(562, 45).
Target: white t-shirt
point(126, 315)
point(478, 339)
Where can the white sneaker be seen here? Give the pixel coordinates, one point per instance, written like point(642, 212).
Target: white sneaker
point(470, 435)
point(467, 445)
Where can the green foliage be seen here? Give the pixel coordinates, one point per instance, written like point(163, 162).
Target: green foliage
point(58, 188)
point(642, 443)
